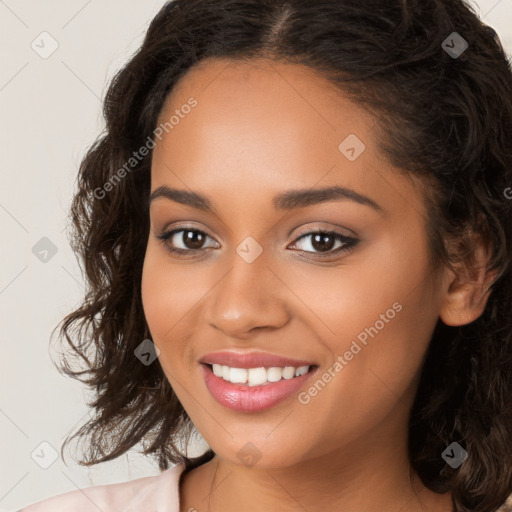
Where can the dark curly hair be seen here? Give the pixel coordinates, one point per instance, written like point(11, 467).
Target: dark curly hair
point(446, 118)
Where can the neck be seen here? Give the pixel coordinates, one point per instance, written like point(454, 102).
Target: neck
point(323, 484)
point(373, 472)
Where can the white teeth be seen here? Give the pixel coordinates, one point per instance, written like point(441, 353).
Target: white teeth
point(289, 372)
point(237, 375)
point(258, 376)
point(274, 374)
point(301, 371)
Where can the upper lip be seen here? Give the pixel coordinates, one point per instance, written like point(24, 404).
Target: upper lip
point(251, 360)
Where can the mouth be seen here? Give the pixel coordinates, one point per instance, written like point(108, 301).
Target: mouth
point(251, 390)
point(259, 376)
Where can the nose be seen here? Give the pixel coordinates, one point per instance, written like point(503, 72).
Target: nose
point(248, 297)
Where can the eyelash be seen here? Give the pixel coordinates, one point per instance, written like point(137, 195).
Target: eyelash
point(348, 242)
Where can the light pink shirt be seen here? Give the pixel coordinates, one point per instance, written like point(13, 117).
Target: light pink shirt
point(159, 493)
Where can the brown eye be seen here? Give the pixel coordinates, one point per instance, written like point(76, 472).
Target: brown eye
point(322, 243)
point(191, 240)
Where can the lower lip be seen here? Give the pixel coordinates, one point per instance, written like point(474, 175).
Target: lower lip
point(245, 398)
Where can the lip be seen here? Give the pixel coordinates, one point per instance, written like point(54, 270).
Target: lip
point(251, 399)
point(252, 360)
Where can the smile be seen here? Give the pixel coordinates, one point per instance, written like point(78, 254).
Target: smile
point(252, 390)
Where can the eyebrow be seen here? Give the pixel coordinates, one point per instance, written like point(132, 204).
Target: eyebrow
point(289, 200)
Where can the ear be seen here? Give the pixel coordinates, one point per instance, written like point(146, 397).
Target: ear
point(468, 288)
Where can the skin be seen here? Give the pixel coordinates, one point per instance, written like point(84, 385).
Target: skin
point(261, 128)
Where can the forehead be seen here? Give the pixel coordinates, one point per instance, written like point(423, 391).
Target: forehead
point(263, 124)
point(267, 96)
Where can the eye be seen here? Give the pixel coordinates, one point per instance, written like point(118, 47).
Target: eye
point(321, 244)
point(324, 241)
point(191, 242)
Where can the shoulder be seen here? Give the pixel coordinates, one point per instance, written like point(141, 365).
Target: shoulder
point(507, 506)
point(134, 496)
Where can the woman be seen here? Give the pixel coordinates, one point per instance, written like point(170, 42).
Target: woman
point(297, 236)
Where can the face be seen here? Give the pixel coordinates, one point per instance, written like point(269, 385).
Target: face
point(356, 301)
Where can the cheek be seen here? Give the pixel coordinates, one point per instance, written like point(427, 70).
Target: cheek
point(378, 314)
point(168, 292)
point(156, 302)
point(171, 295)
point(344, 300)
point(161, 304)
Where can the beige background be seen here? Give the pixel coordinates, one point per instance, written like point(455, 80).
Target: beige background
point(50, 111)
